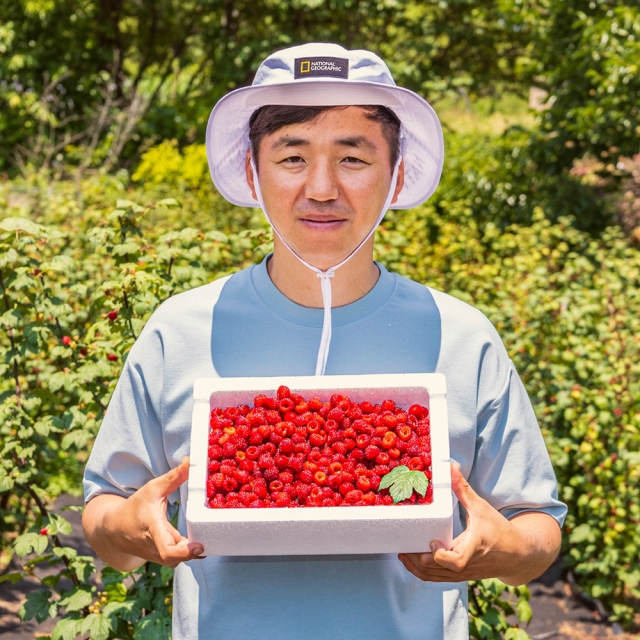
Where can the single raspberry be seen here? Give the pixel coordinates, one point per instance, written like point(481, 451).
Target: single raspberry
point(363, 483)
point(418, 411)
point(353, 496)
point(302, 407)
point(302, 489)
point(426, 459)
point(415, 464)
point(276, 486)
point(371, 452)
point(268, 448)
point(296, 463)
point(381, 469)
point(260, 490)
point(317, 439)
point(388, 440)
point(389, 421)
point(404, 433)
point(306, 476)
point(319, 477)
point(285, 477)
point(282, 462)
point(112, 357)
point(345, 487)
point(388, 405)
point(375, 482)
point(283, 392)
point(366, 407)
point(363, 440)
point(383, 458)
point(271, 473)
point(252, 452)
point(229, 484)
point(112, 315)
point(44, 531)
point(339, 447)
point(357, 454)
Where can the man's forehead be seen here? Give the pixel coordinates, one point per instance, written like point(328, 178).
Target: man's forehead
point(295, 140)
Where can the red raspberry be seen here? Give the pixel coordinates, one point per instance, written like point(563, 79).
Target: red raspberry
point(282, 462)
point(302, 407)
point(383, 458)
point(260, 490)
point(388, 405)
point(418, 411)
point(268, 448)
point(389, 421)
point(345, 487)
point(353, 496)
point(276, 486)
point(265, 461)
point(271, 473)
point(394, 453)
point(230, 484)
point(296, 463)
point(317, 439)
point(283, 392)
point(388, 440)
point(112, 315)
point(363, 440)
point(306, 476)
point(285, 477)
point(366, 407)
point(315, 404)
point(213, 466)
point(375, 482)
point(415, 464)
point(252, 452)
point(426, 459)
point(303, 490)
point(319, 477)
point(381, 469)
point(286, 405)
point(215, 452)
point(363, 483)
point(339, 447)
point(357, 455)
point(371, 452)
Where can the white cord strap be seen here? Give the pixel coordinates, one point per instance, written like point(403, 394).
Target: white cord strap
point(325, 276)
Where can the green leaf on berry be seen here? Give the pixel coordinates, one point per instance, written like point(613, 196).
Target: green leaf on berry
point(402, 482)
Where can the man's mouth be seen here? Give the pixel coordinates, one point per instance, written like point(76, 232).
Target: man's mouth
point(322, 223)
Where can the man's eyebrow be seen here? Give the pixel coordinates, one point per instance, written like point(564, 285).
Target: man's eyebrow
point(357, 142)
point(289, 141)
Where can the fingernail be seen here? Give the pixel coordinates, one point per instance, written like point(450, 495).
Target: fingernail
point(197, 550)
point(433, 546)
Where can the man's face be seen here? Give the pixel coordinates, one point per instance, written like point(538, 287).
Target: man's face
point(324, 183)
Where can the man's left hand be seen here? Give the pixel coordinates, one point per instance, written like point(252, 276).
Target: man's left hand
point(516, 550)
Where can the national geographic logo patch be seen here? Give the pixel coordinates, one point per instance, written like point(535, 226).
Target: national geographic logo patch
point(321, 68)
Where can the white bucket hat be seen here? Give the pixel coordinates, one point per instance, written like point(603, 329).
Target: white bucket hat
point(322, 74)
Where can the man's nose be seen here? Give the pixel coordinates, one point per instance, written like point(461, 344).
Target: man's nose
point(322, 183)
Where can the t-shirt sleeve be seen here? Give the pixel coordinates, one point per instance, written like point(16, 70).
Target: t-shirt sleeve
point(129, 449)
point(512, 469)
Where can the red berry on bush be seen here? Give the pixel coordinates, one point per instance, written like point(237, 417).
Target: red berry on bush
point(44, 531)
point(66, 340)
point(112, 357)
point(112, 315)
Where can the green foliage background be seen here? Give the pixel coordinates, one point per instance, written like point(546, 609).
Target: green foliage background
point(101, 114)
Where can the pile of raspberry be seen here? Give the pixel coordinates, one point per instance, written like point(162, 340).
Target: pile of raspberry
point(290, 452)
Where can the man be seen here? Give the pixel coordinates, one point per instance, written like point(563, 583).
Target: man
point(325, 142)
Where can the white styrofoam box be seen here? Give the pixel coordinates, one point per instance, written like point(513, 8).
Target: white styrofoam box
point(322, 530)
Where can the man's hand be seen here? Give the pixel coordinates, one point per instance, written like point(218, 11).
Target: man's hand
point(126, 532)
point(491, 546)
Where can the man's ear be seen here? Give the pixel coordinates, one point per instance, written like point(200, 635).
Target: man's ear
point(249, 171)
point(399, 182)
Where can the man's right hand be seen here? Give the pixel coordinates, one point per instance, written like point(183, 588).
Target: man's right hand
point(127, 532)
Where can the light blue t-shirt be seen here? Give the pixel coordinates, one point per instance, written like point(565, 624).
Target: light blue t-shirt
point(243, 326)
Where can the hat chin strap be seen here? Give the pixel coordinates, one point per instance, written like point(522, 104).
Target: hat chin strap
point(325, 276)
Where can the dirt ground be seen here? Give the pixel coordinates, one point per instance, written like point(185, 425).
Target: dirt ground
point(556, 614)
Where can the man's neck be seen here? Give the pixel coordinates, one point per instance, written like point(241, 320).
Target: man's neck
point(300, 284)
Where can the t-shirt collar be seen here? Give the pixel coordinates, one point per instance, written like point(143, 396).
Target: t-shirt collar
point(307, 316)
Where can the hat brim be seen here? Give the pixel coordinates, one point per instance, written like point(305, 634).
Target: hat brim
point(227, 138)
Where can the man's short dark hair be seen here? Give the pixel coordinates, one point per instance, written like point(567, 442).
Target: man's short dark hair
point(271, 118)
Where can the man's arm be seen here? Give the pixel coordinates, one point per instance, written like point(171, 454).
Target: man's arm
point(516, 550)
point(127, 532)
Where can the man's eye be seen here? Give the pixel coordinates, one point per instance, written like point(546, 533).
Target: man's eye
point(293, 159)
point(352, 160)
